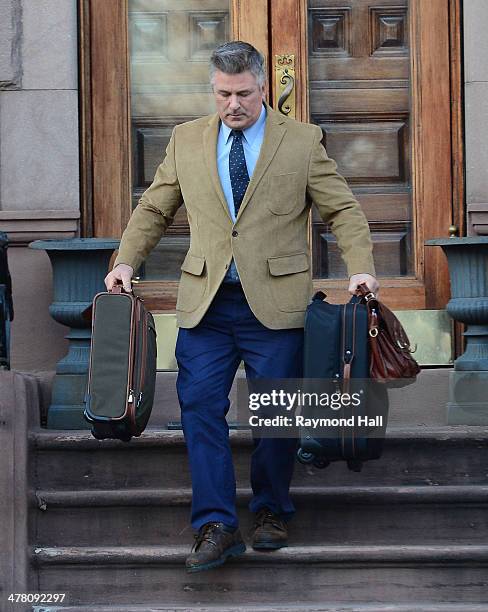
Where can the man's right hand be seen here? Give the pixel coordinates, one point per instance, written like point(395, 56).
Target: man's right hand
point(122, 272)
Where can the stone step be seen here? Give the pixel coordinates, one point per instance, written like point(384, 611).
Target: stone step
point(412, 456)
point(332, 515)
point(328, 607)
point(408, 406)
point(314, 574)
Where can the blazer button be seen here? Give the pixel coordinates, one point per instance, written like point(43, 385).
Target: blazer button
point(234, 233)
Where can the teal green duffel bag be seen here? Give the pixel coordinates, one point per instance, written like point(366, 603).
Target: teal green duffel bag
point(122, 372)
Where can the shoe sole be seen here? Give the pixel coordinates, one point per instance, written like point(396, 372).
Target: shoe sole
point(269, 545)
point(235, 551)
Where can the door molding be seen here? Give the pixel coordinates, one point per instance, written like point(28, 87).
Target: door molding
point(105, 117)
point(431, 143)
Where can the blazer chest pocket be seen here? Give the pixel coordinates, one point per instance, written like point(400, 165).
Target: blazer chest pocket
point(283, 193)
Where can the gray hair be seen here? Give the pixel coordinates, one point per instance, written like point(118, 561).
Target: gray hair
point(235, 57)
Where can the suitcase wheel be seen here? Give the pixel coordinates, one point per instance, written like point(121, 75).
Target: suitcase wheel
point(355, 465)
point(98, 436)
point(321, 463)
point(305, 457)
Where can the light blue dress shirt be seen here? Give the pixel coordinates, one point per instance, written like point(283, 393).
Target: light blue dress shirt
point(252, 140)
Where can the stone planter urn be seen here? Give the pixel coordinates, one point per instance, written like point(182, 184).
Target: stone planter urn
point(468, 269)
point(79, 267)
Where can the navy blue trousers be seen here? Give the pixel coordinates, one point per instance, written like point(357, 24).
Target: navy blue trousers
point(208, 356)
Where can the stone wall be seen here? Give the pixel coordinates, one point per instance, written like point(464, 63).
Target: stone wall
point(39, 162)
point(476, 113)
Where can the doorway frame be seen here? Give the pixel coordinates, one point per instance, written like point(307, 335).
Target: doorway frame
point(437, 129)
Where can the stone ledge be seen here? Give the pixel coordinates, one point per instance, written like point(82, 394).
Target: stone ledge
point(440, 554)
point(24, 226)
point(478, 219)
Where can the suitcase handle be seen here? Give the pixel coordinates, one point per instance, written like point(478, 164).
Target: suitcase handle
point(119, 288)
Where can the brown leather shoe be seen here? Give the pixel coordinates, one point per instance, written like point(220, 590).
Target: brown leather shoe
point(213, 546)
point(270, 532)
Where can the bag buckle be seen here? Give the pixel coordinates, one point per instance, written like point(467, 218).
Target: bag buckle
point(369, 296)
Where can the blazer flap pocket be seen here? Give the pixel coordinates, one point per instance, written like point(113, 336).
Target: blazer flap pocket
point(193, 264)
point(288, 264)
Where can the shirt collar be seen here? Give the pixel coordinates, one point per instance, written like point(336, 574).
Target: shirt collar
point(249, 133)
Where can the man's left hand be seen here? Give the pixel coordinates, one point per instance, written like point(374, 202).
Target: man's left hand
point(370, 281)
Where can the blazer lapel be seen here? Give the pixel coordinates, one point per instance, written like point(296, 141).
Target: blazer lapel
point(210, 135)
point(273, 135)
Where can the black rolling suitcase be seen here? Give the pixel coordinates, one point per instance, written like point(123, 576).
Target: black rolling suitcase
point(122, 371)
point(336, 355)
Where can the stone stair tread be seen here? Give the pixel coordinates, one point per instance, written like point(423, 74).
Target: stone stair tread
point(398, 554)
point(327, 607)
point(409, 494)
point(75, 439)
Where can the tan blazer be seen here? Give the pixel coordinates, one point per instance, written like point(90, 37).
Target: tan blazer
point(269, 238)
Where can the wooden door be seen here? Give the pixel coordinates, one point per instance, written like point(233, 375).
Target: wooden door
point(378, 76)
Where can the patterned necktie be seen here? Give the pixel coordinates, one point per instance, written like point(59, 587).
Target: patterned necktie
point(239, 177)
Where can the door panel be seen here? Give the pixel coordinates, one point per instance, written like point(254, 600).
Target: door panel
point(170, 45)
point(358, 82)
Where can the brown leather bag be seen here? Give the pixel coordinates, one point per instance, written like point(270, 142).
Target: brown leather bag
point(391, 358)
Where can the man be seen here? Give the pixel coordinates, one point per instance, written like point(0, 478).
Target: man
point(247, 176)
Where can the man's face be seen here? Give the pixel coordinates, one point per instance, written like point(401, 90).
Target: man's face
point(238, 97)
